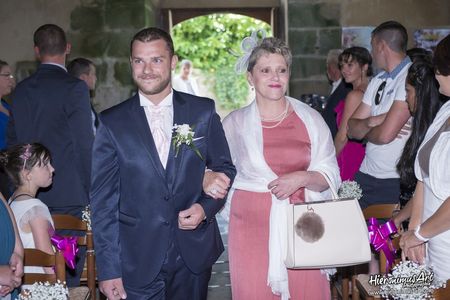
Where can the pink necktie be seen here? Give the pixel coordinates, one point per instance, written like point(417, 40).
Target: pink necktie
point(159, 136)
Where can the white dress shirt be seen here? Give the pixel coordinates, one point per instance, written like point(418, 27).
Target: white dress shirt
point(335, 84)
point(164, 113)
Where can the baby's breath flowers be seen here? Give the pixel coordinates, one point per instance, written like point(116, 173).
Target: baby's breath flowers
point(409, 281)
point(47, 291)
point(350, 189)
point(86, 217)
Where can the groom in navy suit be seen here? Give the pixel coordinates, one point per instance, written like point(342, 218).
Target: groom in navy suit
point(156, 236)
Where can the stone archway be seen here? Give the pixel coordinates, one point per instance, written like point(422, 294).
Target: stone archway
point(173, 12)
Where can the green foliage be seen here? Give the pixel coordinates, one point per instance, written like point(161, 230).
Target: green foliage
point(231, 90)
point(212, 43)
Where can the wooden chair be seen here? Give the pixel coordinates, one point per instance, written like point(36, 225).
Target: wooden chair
point(360, 286)
point(442, 293)
point(379, 211)
point(68, 222)
point(38, 258)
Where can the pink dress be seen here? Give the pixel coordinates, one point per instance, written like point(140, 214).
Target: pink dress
point(352, 155)
point(287, 149)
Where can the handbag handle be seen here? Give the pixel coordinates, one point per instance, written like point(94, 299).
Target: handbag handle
point(328, 180)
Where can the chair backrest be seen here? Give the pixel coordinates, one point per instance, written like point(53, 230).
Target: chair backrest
point(68, 222)
point(38, 258)
point(379, 211)
point(442, 293)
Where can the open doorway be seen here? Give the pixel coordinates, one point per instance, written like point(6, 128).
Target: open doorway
point(212, 44)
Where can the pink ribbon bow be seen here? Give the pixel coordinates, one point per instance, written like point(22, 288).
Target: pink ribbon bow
point(68, 246)
point(379, 236)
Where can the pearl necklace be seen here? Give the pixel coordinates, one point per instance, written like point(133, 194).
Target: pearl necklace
point(282, 116)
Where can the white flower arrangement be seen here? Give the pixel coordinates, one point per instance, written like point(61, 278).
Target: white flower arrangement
point(86, 217)
point(410, 281)
point(40, 291)
point(184, 134)
point(350, 189)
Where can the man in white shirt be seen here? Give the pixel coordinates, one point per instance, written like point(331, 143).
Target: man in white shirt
point(381, 116)
point(155, 231)
point(184, 82)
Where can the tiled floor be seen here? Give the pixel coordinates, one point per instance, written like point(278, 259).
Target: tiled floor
point(219, 285)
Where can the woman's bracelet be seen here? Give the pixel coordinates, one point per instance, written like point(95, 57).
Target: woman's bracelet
point(419, 236)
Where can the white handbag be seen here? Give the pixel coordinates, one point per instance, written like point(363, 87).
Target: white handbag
point(326, 234)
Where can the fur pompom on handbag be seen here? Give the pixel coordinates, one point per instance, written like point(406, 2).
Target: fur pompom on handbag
point(310, 227)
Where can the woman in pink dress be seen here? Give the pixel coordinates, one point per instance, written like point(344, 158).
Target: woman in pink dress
point(282, 149)
point(356, 67)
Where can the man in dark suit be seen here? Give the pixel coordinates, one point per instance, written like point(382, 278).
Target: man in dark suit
point(52, 107)
point(155, 232)
point(339, 90)
point(85, 70)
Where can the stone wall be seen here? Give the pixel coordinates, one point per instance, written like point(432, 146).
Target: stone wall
point(314, 27)
point(99, 30)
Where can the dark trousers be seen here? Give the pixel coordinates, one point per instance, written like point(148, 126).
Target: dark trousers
point(376, 190)
point(174, 282)
point(72, 276)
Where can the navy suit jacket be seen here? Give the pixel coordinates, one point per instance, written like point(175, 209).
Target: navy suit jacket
point(135, 201)
point(53, 108)
point(328, 114)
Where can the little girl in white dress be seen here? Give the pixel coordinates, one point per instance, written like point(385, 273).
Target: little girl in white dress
point(29, 168)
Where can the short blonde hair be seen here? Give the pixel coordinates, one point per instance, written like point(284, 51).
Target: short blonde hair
point(270, 45)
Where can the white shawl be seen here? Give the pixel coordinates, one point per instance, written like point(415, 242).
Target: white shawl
point(244, 135)
point(439, 171)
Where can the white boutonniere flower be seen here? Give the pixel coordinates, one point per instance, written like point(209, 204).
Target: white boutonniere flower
point(39, 291)
point(184, 134)
point(350, 189)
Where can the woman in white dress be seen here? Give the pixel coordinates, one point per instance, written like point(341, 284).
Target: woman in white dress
point(29, 168)
point(428, 239)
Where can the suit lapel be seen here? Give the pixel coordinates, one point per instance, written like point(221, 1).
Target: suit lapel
point(141, 124)
point(180, 116)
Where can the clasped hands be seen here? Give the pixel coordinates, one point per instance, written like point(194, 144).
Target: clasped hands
point(284, 186)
